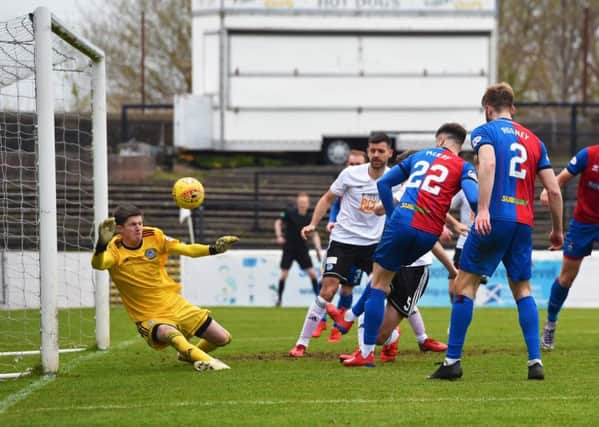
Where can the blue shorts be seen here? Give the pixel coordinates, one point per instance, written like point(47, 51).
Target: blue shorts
point(579, 239)
point(510, 242)
point(401, 245)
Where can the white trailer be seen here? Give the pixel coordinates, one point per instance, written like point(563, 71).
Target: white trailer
point(320, 75)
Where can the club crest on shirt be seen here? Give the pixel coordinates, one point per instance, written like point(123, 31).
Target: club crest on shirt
point(573, 161)
point(150, 253)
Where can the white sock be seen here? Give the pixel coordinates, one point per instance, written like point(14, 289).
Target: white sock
point(392, 338)
point(534, 361)
point(313, 316)
point(361, 331)
point(421, 338)
point(417, 324)
point(367, 349)
point(449, 362)
point(349, 316)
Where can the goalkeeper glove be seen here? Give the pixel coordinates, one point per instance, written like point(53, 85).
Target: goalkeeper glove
point(222, 244)
point(105, 233)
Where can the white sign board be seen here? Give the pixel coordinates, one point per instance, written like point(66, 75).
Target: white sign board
point(250, 278)
point(350, 5)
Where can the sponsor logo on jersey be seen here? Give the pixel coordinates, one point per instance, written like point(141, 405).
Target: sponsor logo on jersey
point(150, 253)
point(514, 200)
point(414, 207)
point(476, 140)
point(595, 168)
point(368, 202)
point(593, 185)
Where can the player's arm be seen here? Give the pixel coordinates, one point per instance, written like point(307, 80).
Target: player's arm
point(279, 231)
point(102, 258)
point(486, 179)
point(575, 166)
point(563, 179)
point(320, 210)
point(441, 255)
point(335, 208)
point(398, 174)
point(317, 244)
point(555, 203)
point(196, 250)
point(455, 225)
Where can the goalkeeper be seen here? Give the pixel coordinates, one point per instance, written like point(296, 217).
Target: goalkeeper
point(135, 257)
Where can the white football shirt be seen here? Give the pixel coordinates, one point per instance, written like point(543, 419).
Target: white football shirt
point(357, 223)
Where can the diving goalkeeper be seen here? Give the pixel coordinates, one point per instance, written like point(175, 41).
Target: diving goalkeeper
point(135, 257)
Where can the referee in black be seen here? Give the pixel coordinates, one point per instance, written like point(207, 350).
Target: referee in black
point(287, 230)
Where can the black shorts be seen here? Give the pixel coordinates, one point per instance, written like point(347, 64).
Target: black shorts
point(300, 255)
point(456, 257)
point(341, 257)
point(407, 287)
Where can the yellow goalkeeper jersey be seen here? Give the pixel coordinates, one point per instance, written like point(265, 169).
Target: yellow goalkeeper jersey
point(146, 289)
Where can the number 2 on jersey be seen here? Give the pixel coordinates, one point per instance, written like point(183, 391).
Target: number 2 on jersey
point(516, 162)
point(430, 182)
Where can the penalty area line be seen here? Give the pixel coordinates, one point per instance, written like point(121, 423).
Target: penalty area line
point(40, 383)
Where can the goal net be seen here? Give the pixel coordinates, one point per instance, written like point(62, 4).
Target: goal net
point(54, 191)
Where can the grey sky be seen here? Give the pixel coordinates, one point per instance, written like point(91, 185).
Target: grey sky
point(66, 10)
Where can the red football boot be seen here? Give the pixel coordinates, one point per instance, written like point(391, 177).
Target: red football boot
point(346, 356)
point(389, 351)
point(430, 344)
point(297, 351)
point(359, 360)
point(335, 335)
point(322, 326)
point(337, 315)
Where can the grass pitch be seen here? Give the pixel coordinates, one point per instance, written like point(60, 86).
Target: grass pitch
point(133, 385)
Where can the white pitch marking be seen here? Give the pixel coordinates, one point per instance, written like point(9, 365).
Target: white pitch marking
point(14, 398)
point(315, 402)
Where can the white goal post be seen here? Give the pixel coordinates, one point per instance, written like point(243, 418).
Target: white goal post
point(46, 27)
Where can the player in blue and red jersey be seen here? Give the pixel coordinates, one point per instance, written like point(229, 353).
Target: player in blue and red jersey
point(582, 232)
point(432, 177)
point(510, 157)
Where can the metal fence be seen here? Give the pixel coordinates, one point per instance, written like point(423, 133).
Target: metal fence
point(564, 127)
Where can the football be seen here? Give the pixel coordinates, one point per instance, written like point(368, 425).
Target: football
point(188, 193)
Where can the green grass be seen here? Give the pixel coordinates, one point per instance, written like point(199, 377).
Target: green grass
point(134, 385)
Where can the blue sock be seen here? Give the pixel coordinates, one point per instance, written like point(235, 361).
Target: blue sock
point(324, 317)
point(556, 300)
point(461, 316)
point(358, 307)
point(528, 316)
point(374, 310)
point(345, 301)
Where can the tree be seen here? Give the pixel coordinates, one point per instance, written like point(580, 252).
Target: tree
point(115, 27)
point(541, 48)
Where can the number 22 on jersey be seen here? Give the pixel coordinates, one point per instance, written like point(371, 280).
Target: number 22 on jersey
point(430, 183)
